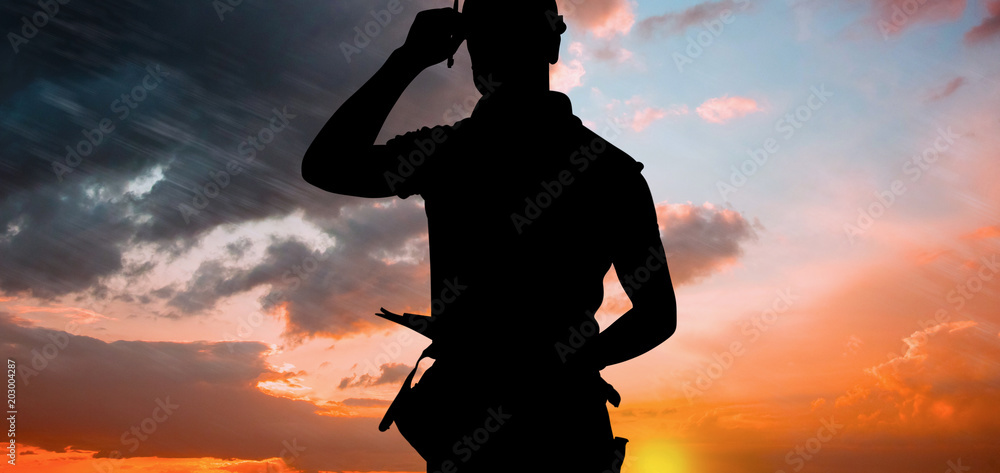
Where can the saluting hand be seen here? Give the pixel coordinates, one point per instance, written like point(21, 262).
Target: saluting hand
point(434, 36)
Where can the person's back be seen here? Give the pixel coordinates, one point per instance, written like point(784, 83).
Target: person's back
point(522, 203)
point(527, 211)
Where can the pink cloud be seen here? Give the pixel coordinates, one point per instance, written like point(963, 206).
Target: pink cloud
point(564, 77)
point(638, 115)
point(611, 53)
point(644, 117)
point(948, 89)
point(702, 240)
point(723, 109)
point(990, 27)
point(893, 16)
point(673, 23)
point(606, 51)
point(603, 18)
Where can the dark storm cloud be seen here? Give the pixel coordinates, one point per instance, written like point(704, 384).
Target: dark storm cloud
point(273, 71)
point(206, 88)
point(186, 400)
point(332, 292)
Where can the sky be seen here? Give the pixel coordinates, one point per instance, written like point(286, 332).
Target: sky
point(176, 298)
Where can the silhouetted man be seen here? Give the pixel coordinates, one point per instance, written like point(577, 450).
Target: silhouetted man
point(527, 211)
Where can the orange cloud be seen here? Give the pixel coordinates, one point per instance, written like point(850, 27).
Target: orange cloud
point(180, 400)
point(723, 109)
point(603, 18)
point(950, 374)
point(984, 233)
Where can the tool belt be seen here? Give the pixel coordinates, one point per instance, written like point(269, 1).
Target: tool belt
point(408, 409)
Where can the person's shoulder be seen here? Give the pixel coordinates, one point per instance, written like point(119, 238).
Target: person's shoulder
point(436, 133)
point(605, 154)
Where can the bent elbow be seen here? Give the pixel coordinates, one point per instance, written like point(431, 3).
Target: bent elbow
point(665, 322)
point(669, 323)
point(318, 170)
point(308, 170)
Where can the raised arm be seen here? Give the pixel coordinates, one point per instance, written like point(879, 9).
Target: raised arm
point(343, 158)
point(641, 264)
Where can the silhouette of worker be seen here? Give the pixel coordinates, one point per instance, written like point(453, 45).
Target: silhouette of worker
point(527, 211)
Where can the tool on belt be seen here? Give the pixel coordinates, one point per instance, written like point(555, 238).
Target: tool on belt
point(403, 401)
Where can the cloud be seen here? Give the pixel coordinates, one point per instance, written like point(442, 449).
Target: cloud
point(185, 400)
point(637, 114)
point(610, 50)
point(389, 373)
point(989, 28)
point(948, 89)
point(67, 233)
point(311, 289)
point(605, 18)
point(643, 117)
point(565, 76)
point(675, 23)
point(366, 402)
point(723, 109)
point(701, 240)
point(613, 53)
point(950, 375)
point(992, 231)
point(891, 17)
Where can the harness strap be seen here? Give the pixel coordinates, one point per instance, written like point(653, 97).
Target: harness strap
point(388, 418)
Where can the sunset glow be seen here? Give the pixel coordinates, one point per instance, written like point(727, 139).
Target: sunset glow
point(826, 184)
